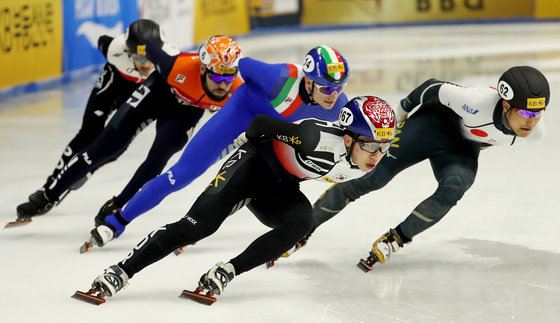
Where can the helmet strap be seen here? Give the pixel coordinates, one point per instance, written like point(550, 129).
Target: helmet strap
point(505, 123)
point(312, 101)
point(203, 80)
point(349, 151)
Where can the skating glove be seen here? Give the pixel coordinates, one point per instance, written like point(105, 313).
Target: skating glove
point(390, 242)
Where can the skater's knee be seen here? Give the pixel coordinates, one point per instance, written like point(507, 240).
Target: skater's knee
point(339, 195)
point(453, 184)
point(302, 223)
point(352, 190)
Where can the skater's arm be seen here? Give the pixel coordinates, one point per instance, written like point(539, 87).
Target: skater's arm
point(103, 44)
point(262, 74)
point(426, 92)
point(303, 137)
point(161, 58)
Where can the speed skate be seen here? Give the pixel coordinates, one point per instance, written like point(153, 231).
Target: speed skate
point(366, 265)
point(93, 296)
point(199, 296)
point(17, 223)
point(86, 246)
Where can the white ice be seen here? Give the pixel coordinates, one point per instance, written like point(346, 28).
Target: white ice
point(494, 258)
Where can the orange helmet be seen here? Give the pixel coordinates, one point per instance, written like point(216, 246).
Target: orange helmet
point(220, 54)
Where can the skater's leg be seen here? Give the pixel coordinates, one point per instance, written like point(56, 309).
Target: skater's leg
point(288, 212)
point(235, 182)
point(171, 137)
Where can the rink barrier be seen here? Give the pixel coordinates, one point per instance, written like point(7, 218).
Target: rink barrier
point(30, 41)
point(315, 12)
point(69, 76)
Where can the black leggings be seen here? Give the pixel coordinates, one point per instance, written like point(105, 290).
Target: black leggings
point(433, 133)
point(110, 92)
point(244, 179)
point(151, 101)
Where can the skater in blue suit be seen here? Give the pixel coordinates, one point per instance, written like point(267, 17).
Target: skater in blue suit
point(285, 91)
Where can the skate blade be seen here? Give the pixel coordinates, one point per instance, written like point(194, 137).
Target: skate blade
point(366, 265)
point(206, 299)
point(18, 222)
point(270, 263)
point(86, 246)
point(93, 296)
point(178, 251)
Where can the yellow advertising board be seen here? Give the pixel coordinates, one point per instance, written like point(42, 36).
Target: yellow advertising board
point(329, 12)
point(30, 41)
point(548, 9)
point(214, 17)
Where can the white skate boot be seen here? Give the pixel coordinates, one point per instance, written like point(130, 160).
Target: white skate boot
point(102, 234)
point(113, 280)
point(217, 278)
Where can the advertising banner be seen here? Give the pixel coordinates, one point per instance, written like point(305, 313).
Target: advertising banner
point(176, 18)
point(213, 17)
point(85, 21)
point(548, 9)
point(347, 12)
point(438, 10)
point(30, 41)
point(267, 8)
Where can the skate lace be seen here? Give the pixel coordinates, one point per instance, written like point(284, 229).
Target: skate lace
point(222, 276)
point(114, 280)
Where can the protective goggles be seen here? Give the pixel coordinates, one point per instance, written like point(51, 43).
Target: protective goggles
point(139, 58)
point(528, 113)
point(328, 90)
point(218, 78)
point(372, 146)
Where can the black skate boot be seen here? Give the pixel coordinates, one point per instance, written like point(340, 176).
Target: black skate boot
point(113, 280)
point(217, 278)
point(110, 207)
point(38, 204)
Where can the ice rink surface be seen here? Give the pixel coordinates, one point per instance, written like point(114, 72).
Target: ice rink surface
point(494, 258)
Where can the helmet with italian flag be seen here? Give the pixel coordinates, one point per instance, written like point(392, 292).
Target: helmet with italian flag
point(326, 66)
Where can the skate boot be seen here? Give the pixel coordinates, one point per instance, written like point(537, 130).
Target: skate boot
point(110, 207)
point(102, 234)
point(389, 243)
point(38, 204)
point(113, 280)
point(217, 278)
point(110, 228)
point(300, 244)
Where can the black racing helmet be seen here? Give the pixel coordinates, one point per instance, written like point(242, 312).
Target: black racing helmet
point(524, 87)
point(140, 32)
